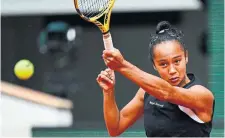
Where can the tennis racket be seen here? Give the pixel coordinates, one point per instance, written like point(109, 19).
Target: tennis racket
point(99, 13)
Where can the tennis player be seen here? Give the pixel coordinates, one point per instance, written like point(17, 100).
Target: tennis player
point(175, 104)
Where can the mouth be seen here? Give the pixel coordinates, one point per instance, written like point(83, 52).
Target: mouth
point(174, 79)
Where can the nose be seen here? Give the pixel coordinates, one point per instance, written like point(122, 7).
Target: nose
point(172, 70)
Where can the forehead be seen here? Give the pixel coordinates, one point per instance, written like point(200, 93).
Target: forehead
point(168, 49)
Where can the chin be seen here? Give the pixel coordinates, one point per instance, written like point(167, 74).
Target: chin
point(176, 84)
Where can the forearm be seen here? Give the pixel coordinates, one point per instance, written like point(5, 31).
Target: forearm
point(151, 84)
point(111, 112)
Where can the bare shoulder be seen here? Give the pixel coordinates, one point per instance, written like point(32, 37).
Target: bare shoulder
point(205, 96)
point(203, 91)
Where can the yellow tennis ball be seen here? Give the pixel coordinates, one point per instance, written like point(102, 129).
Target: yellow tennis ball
point(24, 69)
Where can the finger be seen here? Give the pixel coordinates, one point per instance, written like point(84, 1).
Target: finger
point(98, 78)
point(108, 52)
point(105, 79)
point(107, 57)
point(110, 72)
point(111, 52)
point(107, 62)
point(104, 73)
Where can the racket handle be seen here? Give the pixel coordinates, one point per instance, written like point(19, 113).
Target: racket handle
point(107, 39)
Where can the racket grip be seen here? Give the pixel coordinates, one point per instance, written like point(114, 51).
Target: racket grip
point(107, 39)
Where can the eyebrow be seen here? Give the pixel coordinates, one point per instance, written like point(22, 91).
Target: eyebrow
point(162, 60)
point(177, 57)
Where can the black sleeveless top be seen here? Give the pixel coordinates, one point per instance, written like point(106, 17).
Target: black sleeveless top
point(164, 119)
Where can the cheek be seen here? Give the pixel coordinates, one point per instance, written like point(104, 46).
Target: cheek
point(163, 73)
point(182, 68)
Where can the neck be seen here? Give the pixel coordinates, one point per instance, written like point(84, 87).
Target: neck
point(184, 81)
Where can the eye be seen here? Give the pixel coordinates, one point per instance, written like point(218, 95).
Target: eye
point(163, 64)
point(177, 61)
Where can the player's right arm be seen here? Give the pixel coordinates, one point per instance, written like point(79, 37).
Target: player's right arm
point(118, 121)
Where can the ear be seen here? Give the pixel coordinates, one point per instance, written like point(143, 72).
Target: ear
point(186, 56)
point(154, 67)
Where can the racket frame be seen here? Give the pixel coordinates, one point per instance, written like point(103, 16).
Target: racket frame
point(104, 27)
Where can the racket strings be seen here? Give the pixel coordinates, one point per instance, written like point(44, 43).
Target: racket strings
point(89, 8)
point(92, 8)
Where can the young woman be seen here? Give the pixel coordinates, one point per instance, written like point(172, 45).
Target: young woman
point(175, 104)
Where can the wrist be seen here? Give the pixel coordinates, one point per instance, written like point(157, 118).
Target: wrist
point(108, 92)
point(126, 65)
